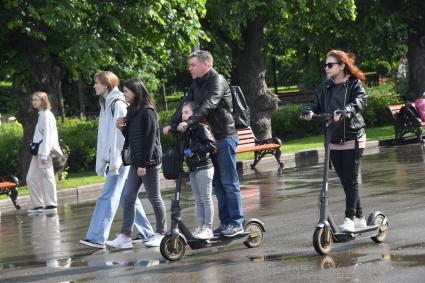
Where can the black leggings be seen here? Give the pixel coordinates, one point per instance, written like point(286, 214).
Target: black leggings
point(347, 168)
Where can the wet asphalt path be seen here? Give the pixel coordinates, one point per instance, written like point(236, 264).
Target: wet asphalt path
point(45, 248)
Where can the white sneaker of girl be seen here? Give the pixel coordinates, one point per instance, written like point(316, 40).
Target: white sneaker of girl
point(120, 242)
point(205, 234)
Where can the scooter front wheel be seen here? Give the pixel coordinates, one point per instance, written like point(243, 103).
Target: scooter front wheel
point(172, 250)
point(319, 238)
point(256, 235)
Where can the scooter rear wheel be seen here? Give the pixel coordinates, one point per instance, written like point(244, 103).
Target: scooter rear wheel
point(383, 231)
point(318, 241)
point(172, 251)
point(256, 235)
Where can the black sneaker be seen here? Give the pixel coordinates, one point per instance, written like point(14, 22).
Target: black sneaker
point(49, 209)
point(232, 230)
point(92, 244)
point(35, 210)
point(217, 231)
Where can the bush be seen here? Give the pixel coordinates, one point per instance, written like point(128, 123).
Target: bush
point(383, 68)
point(286, 123)
point(10, 145)
point(81, 137)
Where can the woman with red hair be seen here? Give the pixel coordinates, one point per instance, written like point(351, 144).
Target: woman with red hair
point(342, 94)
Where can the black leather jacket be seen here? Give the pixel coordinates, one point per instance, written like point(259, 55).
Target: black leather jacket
point(143, 136)
point(201, 143)
point(351, 98)
point(211, 93)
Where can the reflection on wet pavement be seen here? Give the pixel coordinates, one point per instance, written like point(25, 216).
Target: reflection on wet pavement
point(392, 181)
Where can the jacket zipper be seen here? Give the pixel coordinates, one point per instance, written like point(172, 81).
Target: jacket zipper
point(345, 99)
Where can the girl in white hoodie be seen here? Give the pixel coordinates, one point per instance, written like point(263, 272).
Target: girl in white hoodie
point(108, 162)
point(41, 176)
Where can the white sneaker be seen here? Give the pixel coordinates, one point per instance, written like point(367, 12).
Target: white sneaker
point(196, 231)
point(348, 225)
point(360, 223)
point(154, 241)
point(205, 234)
point(120, 242)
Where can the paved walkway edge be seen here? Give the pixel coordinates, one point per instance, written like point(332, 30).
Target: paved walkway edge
point(291, 160)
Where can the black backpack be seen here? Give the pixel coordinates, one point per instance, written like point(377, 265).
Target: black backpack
point(172, 163)
point(241, 113)
point(409, 116)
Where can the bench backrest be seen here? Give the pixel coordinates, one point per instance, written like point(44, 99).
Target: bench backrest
point(246, 138)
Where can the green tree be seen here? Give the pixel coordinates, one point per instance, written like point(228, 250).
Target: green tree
point(242, 26)
point(45, 40)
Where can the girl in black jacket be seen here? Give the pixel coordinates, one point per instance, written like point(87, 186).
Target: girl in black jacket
point(343, 95)
point(199, 144)
point(141, 133)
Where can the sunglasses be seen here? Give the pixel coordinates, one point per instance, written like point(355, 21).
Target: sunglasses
point(330, 65)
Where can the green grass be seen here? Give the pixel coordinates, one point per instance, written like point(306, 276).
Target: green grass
point(86, 178)
point(283, 89)
point(73, 180)
point(313, 142)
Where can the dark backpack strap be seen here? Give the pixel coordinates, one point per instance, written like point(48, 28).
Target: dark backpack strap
point(113, 104)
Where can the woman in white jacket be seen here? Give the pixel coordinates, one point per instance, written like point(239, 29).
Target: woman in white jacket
point(41, 177)
point(108, 162)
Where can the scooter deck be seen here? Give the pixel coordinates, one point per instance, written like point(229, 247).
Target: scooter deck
point(349, 236)
point(215, 241)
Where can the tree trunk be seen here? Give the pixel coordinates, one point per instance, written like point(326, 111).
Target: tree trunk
point(249, 72)
point(81, 100)
point(60, 100)
point(275, 84)
point(164, 96)
point(47, 77)
point(416, 61)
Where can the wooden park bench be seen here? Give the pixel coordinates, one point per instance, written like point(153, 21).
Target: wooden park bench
point(248, 143)
point(403, 126)
point(9, 186)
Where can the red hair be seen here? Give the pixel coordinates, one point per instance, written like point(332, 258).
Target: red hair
point(348, 59)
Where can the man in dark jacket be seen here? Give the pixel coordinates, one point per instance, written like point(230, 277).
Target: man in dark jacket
point(211, 93)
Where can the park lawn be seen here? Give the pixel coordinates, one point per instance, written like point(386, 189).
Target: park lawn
point(284, 89)
point(313, 142)
point(307, 143)
point(72, 181)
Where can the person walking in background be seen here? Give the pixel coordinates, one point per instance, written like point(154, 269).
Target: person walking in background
point(211, 93)
point(108, 161)
point(401, 71)
point(41, 177)
point(199, 144)
point(342, 94)
point(142, 136)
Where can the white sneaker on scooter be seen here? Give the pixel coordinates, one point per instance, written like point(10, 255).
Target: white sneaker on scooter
point(360, 223)
point(348, 225)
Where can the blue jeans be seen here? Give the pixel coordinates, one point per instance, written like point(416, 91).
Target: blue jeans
point(107, 205)
point(152, 187)
point(226, 182)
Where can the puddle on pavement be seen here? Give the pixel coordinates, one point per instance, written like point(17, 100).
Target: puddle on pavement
point(407, 260)
point(68, 262)
point(344, 260)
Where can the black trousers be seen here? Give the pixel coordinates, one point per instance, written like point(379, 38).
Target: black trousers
point(347, 166)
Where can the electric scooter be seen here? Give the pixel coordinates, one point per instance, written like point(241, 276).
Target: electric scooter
point(173, 245)
point(327, 232)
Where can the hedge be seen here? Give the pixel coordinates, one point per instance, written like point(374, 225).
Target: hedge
point(10, 145)
point(80, 135)
point(287, 125)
